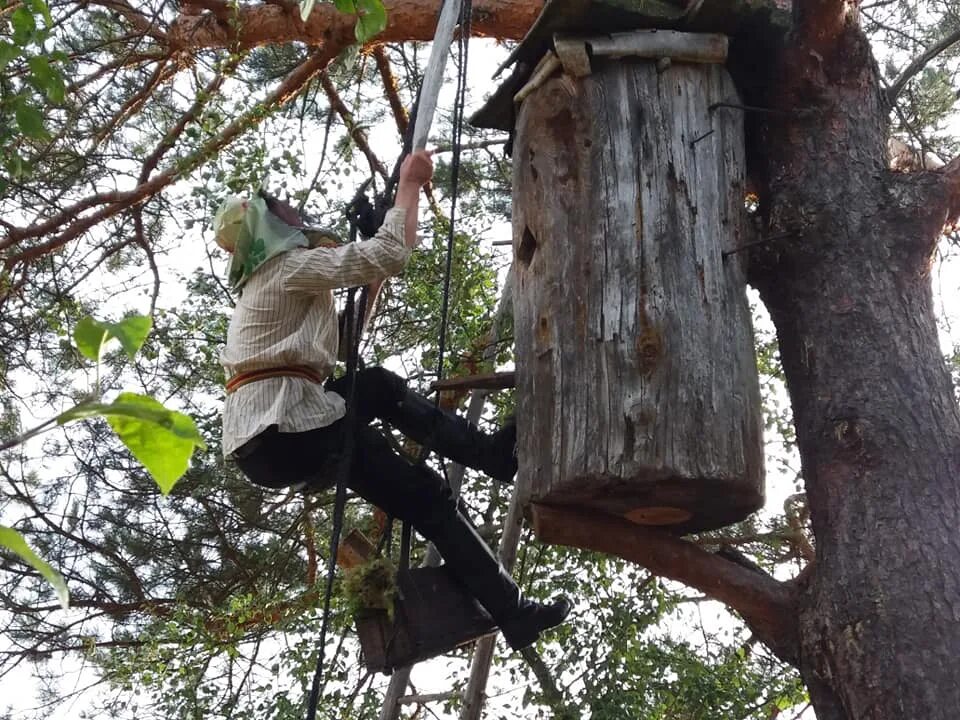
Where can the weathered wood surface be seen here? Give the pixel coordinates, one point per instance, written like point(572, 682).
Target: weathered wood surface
point(636, 378)
point(433, 615)
point(751, 24)
point(354, 550)
point(649, 44)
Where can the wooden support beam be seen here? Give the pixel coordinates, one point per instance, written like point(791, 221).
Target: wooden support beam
point(650, 44)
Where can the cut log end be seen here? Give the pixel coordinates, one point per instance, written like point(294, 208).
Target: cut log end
point(684, 505)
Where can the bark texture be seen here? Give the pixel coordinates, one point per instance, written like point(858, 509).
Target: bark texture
point(877, 422)
point(637, 384)
point(219, 24)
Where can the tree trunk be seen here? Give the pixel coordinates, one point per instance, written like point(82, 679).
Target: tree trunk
point(637, 384)
point(877, 422)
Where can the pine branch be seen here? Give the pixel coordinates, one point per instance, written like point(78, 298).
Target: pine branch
point(767, 605)
point(356, 132)
point(919, 63)
point(69, 225)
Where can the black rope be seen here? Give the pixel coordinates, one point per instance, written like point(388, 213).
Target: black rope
point(463, 39)
point(352, 327)
point(367, 218)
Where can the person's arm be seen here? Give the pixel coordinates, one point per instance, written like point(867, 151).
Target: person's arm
point(369, 261)
point(415, 172)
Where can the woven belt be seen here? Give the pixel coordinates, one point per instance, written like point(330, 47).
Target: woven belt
point(300, 371)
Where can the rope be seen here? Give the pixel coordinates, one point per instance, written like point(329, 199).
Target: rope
point(352, 339)
point(463, 39)
point(360, 214)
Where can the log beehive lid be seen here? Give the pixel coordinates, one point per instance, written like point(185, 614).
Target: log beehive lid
point(731, 17)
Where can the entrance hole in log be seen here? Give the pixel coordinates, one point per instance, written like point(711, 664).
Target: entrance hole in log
point(528, 246)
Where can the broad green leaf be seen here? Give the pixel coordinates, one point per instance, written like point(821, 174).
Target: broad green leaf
point(347, 7)
point(90, 335)
point(12, 540)
point(47, 78)
point(161, 439)
point(39, 7)
point(371, 20)
point(30, 120)
point(131, 332)
point(306, 6)
point(24, 26)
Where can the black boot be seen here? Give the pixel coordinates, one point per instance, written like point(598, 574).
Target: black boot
point(521, 620)
point(453, 437)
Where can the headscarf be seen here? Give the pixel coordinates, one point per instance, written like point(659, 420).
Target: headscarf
point(247, 229)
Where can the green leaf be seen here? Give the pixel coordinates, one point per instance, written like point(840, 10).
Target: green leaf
point(12, 540)
point(347, 7)
point(161, 439)
point(8, 51)
point(91, 335)
point(371, 20)
point(39, 7)
point(131, 332)
point(47, 78)
point(30, 120)
point(24, 26)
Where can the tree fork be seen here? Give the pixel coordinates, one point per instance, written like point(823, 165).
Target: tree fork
point(877, 425)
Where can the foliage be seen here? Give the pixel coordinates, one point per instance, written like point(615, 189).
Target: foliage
point(206, 604)
point(162, 439)
point(31, 78)
point(372, 585)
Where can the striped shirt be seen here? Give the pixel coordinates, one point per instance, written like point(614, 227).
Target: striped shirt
point(286, 315)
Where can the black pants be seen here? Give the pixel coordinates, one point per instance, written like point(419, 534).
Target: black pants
point(411, 493)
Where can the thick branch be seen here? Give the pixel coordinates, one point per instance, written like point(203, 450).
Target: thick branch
point(140, 22)
point(766, 605)
point(944, 43)
point(391, 89)
point(407, 20)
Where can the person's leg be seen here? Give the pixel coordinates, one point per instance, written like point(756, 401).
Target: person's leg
point(418, 495)
point(383, 394)
point(280, 460)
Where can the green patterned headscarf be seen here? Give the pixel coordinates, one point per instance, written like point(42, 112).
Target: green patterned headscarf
point(247, 229)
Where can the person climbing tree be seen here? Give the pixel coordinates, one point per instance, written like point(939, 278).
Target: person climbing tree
point(285, 428)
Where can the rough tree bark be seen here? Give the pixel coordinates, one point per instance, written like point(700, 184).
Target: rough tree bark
point(877, 422)
point(874, 623)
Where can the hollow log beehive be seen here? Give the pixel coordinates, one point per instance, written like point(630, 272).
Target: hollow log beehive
point(637, 386)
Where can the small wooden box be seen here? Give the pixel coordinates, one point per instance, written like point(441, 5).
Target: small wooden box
point(433, 615)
